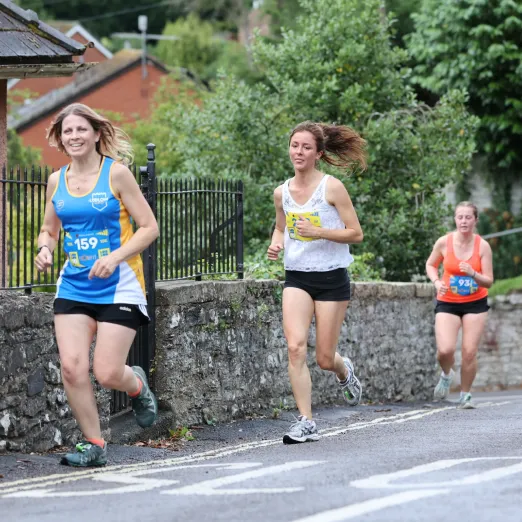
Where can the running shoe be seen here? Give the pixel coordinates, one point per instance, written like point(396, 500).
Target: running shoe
point(351, 387)
point(85, 455)
point(303, 430)
point(442, 389)
point(466, 402)
point(145, 405)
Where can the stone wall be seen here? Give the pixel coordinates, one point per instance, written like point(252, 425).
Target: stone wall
point(221, 353)
point(34, 414)
point(500, 353)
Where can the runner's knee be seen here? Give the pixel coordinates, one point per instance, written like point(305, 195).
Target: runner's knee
point(108, 378)
point(296, 352)
point(73, 371)
point(469, 354)
point(326, 361)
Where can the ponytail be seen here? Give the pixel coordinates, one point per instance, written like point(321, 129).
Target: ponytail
point(341, 145)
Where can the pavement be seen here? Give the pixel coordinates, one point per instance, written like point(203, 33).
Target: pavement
point(394, 463)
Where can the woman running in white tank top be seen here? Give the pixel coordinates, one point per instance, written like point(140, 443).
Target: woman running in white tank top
point(315, 223)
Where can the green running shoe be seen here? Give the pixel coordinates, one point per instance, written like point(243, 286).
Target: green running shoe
point(86, 455)
point(145, 405)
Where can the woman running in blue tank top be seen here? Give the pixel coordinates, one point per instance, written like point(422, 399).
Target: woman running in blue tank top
point(315, 223)
point(101, 289)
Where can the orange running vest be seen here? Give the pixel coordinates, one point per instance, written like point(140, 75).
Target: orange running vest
point(462, 288)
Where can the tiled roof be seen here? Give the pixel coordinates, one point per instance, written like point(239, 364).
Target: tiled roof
point(83, 82)
point(26, 40)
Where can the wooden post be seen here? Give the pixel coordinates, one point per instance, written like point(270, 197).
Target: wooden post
point(3, 162)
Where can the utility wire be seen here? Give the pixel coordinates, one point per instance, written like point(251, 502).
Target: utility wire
point(124, 11)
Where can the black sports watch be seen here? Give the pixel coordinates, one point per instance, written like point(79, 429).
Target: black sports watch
point(39, 249)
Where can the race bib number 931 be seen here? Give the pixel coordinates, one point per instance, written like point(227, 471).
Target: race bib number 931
point(463, 285)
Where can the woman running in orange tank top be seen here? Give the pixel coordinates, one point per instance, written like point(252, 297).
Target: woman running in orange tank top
point(462, 299)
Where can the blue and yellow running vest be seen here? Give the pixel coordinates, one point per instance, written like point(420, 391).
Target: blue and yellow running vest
point(94, 225)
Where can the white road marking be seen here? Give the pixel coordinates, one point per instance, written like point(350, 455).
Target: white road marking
point(60, 478)
point(207, 487)
point(134, 485)
point(210, 487)
point(234, 466)
point(384, 480)
point(369, 506)
point(435, 488)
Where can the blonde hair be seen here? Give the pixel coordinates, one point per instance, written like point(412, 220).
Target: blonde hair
point(470, 205)
point(114, 142)
point(341, 145)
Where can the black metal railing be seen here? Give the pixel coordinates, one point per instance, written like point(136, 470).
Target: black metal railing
point(200, 221)
point(201, 228)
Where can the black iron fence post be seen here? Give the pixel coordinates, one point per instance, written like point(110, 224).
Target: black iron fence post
point(148, 181)
point(239, 231)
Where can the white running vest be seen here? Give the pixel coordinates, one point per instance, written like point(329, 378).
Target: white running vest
point(307, 254)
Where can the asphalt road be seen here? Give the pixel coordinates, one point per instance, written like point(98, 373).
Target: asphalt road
point(421, 462)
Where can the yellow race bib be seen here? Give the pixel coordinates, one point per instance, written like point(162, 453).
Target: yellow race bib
point(293, 217)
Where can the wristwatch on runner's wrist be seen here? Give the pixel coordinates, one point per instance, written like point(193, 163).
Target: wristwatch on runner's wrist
point(39, 249)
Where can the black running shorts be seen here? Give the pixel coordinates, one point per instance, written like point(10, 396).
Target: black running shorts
point(333, 285)
point(473, 307)
point(128, 315)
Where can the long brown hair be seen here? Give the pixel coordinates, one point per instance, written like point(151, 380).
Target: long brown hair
point(114, 142)
point(341, 145)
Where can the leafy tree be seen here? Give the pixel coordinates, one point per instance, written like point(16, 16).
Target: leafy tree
point(196, 47)
point(337, 65)
point(402, 10)
point(476, 45)
point(18, 154)
point(282, 14)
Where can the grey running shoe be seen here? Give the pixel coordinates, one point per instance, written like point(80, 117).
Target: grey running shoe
point(442, 389)
point(145, 405)
point(303, 430)
point(466, 403)
point(351, 387)
point(86, 455)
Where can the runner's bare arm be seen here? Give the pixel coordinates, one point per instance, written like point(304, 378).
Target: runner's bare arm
point(125, 185)
point(435, 259)
point(485, 278)
point(278, 235)
point(50, 231)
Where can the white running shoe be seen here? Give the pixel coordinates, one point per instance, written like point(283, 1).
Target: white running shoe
point(351, 388)
point(442, 389)
point(466, 403)
point(303, 430)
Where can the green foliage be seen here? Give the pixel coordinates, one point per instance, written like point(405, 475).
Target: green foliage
point(505, 286)
point(402, 11)
point(337, 65)
point(18, 154)
point(346, 68)
point(401, 201)
point(181, 433)
point(282, 14)
point(476, 46)
point(196, 47)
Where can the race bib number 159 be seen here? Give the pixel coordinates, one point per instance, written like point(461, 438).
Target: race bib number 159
point(84, 248)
